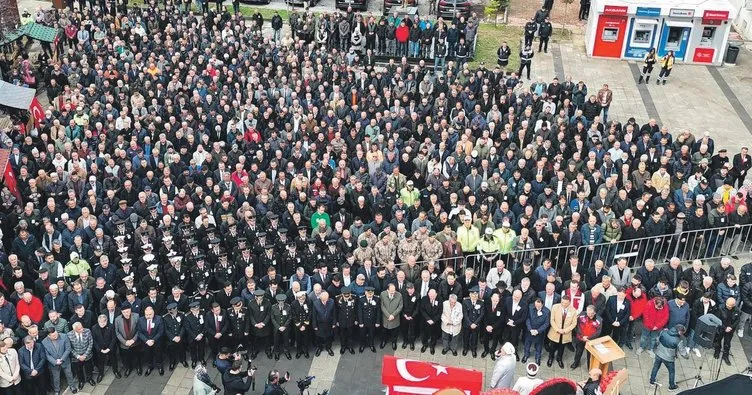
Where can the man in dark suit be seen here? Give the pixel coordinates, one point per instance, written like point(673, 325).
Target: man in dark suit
point(125, 331)
point(493, 320)
point(151, 332)
point(430, 312)
point(33, 367)
point(259, 310)
point(515, 312)
point(549, 296)
point(324, 321)
point(617, 316)
point(322, 277)
point(742, 162)
point(472, 318)
point(216, 326)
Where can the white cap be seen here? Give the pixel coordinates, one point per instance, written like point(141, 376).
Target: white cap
point(74, 255)
point(507, 348)
point(152, 267)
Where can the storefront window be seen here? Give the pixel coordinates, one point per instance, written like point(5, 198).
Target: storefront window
point(610, 34)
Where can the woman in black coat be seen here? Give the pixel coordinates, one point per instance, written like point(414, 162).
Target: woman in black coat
point(104, 346)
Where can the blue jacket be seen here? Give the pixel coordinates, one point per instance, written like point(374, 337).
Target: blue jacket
point(8, 315)
point(538, 322)
point(586, 234)
point(677, 315)
point(60, 305)
point(668, 341)
point(37, 355)
point(723, 292)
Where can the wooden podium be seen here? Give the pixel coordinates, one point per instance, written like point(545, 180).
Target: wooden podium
point(603, 351)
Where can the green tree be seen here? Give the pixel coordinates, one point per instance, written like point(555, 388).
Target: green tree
point(496, 7)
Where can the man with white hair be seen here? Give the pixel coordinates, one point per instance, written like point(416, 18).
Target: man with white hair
point(503, 372)
point(451, 325)
point(81, 354)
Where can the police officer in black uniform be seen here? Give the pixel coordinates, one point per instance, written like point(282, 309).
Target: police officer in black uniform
point(175, 334)
point(204, 297)
point(281, 319)
point(369, 318)
point(472, 320)
point(333, 258)
point(239, 324)
point(347, 319)
point(312, 256)
point(301, 319)
point(194, 333)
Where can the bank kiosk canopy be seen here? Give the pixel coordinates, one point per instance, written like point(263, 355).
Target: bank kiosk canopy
point(697, 31)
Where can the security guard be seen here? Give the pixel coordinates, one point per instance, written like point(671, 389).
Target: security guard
point(347, 319)
point(239, 327)
point(369, 318)
point(472, 318)
point(200, 271)
point(260, 320)
point(281, 319)
point(175, 334)
point(291, 260)
point(301, 319)
point(194, 333)
point(270, 257)
point(224, 271)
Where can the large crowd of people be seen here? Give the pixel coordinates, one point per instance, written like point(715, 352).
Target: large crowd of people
point(197, 188)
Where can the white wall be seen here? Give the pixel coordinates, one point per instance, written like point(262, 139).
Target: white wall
point(743, 21)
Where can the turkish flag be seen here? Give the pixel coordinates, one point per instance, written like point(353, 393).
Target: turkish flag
point(9, 179)
point(37, 112)
point(412, 377)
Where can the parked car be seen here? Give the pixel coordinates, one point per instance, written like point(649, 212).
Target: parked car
point(302, 3)
point(361, 5)
point(449, 9)
point(390, 5)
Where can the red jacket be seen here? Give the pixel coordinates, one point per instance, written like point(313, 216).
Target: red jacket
point(636, 306)
point(402, 34)
point(35, 310)
point(654, 318)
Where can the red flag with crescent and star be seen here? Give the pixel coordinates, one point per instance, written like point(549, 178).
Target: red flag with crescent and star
point(37, 111)
point(412, 377)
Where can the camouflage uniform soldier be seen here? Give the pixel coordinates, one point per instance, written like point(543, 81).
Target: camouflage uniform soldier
point(363, 253)
point(407, 247)
point(431, 249)
point(384, 251)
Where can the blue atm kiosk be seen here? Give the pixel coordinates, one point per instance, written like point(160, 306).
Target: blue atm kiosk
point(643, 32)
point(675, 37)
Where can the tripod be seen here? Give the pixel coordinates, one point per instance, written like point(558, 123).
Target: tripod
point(697, 377)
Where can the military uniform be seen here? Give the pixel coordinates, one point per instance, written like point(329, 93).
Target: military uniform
point(431, 249)
point(290, 262)
point(281, 319)
point(347, 319)
point(312, 256)
point(369, 319)
point(194, 334)
point(175, 335)
point(177, 276)
point(301, 319)
point(270, 258)
point(332, 257)
point(239, 325)
point(384, 252)
point(260, 314)
point(408, 247)
point(363, 254)
point(472, 313)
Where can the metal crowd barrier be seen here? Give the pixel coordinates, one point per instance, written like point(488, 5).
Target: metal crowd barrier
point(703, 244)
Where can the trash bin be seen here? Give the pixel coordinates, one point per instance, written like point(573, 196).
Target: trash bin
point(732, 53)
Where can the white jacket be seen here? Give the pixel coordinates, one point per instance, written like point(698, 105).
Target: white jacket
point(451, 318)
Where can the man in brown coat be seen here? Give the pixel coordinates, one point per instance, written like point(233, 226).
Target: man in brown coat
point(563, 322)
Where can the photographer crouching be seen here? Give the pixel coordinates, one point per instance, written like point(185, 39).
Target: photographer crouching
point(237, 381)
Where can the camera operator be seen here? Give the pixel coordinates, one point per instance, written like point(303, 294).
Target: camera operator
point(236, 381)
point(274, 383)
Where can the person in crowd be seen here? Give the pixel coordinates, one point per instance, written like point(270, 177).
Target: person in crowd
point(665, 354)
point(503, 372)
